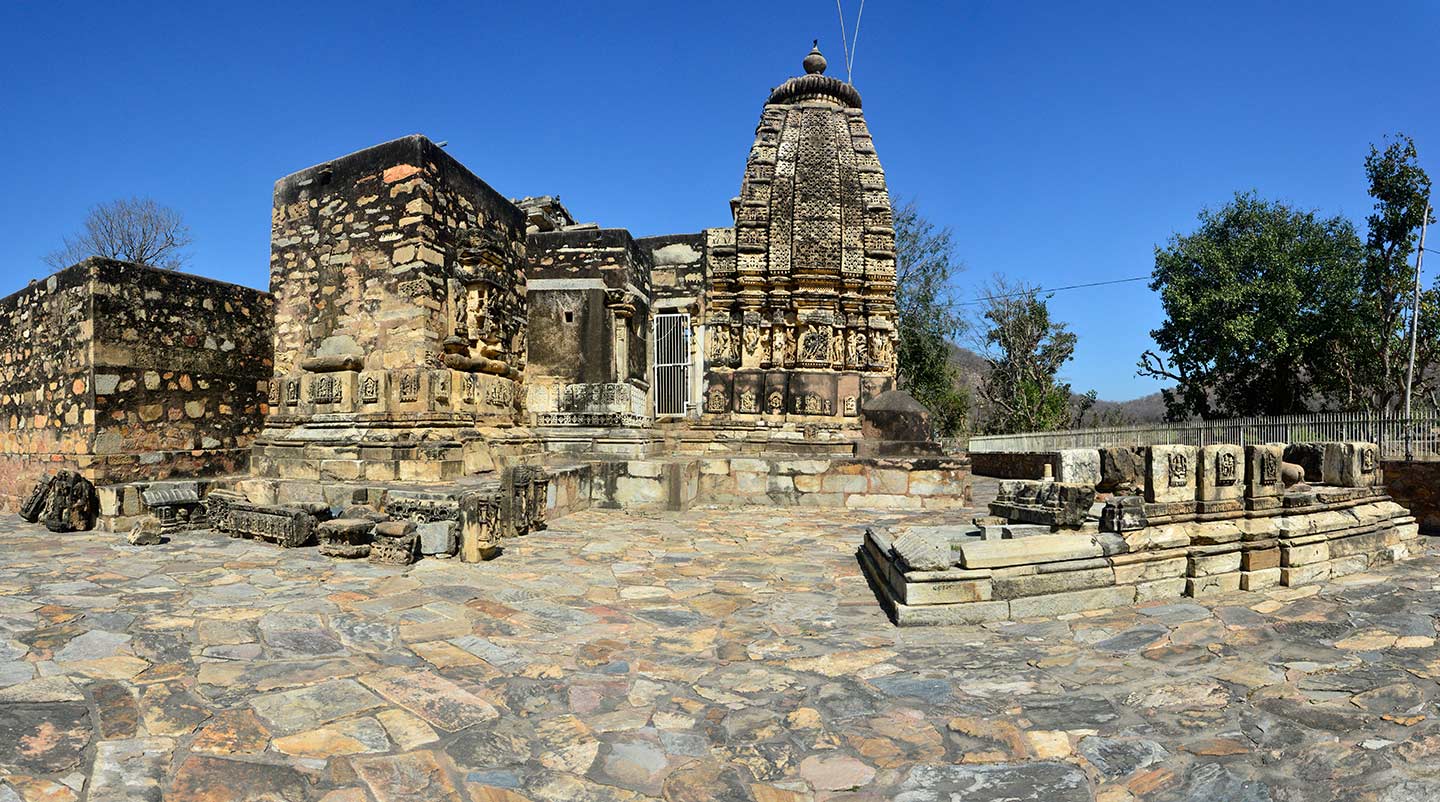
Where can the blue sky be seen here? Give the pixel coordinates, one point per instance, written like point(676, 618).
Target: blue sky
point(1060, 141)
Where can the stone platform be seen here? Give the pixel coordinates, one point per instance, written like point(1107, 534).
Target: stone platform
point(1213, 519)
point(973, 580)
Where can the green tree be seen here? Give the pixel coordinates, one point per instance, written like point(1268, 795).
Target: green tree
point(1272, 310)
point(926, 319)
point(1370, 362)
point(1025, 349)
point(1253, 299)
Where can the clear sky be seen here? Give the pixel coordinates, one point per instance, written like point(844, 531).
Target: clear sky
point(1060, 141)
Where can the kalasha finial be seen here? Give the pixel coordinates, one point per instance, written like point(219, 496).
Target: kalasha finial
point(815, 63)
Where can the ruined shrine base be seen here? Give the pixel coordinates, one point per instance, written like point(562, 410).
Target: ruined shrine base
point(1342, 531)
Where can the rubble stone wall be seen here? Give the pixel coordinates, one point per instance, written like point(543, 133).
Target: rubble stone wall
point(678, 264)
point(182, 366)
point(1012, 464)
point(1416, 485)
point(46, 407)
point(887, 484)
point(126, 372)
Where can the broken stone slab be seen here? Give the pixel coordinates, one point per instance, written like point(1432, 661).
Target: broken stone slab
point(923, 549)
point(1123, 514)
point(437, 538)
point(145, 533)
point(395, 529)
point(1122, 468)
point(1078, 466)
point(1027, 550)
point(348, 538)
point(1351, 464)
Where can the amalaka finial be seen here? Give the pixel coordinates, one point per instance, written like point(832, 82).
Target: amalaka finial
point(815, 63)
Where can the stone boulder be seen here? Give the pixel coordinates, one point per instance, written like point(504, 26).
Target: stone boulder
point(1122, 469)
point(348, 538)
point(71, 503)
point(894, 424)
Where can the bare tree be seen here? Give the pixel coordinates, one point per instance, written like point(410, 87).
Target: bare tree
point(136, 230)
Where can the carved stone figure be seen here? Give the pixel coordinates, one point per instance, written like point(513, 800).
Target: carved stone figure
point(1179, 469)
point(70, 506)
point(34, 505)
point(815, 346)
point(1227, 469)
point(369, 390)
point(775, 403)
point(748, 401)
point(716, 399)
point(409, 387)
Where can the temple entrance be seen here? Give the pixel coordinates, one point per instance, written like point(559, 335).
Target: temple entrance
point(672, 363)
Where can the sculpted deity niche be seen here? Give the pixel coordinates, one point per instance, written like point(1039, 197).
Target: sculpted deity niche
point(1179, 469)
point(1227, 470)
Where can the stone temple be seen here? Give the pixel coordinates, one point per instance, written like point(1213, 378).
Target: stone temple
point(436, 367)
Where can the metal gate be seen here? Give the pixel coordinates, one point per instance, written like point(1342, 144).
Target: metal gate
point(672, 363)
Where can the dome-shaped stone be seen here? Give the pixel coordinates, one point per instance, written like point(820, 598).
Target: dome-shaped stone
point(815, 63)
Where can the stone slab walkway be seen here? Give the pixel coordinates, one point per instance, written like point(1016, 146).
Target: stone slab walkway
point(710, 655)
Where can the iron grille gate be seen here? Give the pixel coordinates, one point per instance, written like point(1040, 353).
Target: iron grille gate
point(672, 363)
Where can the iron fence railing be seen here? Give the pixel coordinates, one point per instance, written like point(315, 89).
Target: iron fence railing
point(1416, 437)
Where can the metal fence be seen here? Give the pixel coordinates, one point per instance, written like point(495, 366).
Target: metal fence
point(1398, 437)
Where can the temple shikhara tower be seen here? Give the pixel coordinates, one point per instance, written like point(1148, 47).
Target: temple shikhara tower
point(436, 352)
point(801, 295)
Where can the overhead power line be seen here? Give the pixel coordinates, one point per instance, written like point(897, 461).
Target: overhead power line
point(1019, 293)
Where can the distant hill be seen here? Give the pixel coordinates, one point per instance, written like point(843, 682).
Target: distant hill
point(1145, 409)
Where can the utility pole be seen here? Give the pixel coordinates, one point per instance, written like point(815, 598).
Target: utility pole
point(1414, 325)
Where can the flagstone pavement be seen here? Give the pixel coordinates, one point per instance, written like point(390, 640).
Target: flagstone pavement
point(707, 655)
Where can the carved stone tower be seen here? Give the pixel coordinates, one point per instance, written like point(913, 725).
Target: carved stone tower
point(801, 303)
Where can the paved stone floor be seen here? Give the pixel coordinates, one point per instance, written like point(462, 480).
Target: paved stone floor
point(710, 655)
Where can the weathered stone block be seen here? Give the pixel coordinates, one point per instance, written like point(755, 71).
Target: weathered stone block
point(1123, 514)
point(1078, 466)
point(1198, 586)
point(1212, 564)
point(923, 549)
point(1024, 551)
point(1131, 573)
point(1011, 587)
point(1303, 574)
point(1291, 556)
point(1222, 472)
point(1170, 474)
point(958, 591)
point(1263, 477)
point(1122, 469)
point(437, 538)
point(1072, 602)
point(1160, 589)
point(1260, 559)
point(1259, 579)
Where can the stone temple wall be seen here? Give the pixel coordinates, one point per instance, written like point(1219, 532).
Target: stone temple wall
point(129, 373)
point(1416, 484)
point(588, 303)
point(399, 281)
